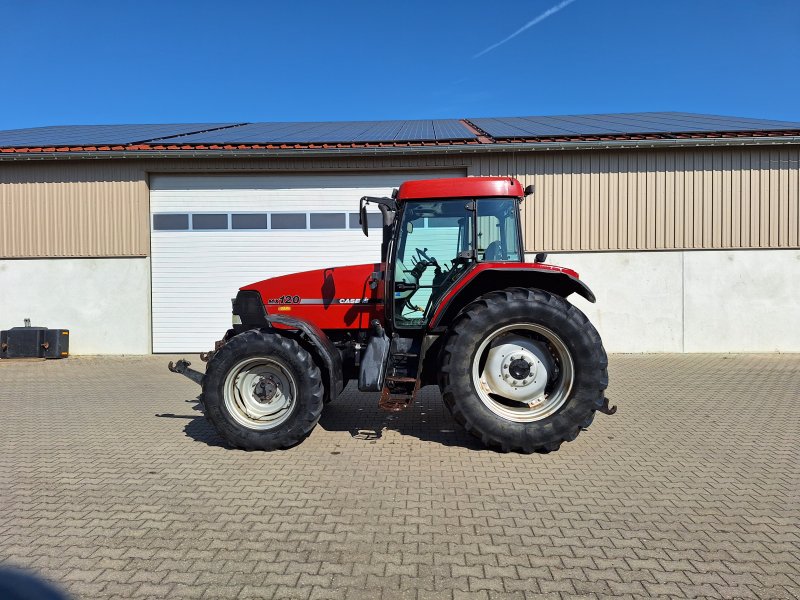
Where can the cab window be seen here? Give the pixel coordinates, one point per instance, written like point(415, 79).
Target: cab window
point(432, 236)
point(497, 230)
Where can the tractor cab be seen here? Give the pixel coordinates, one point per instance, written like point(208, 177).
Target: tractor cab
point(437, 241)
point(435, 231)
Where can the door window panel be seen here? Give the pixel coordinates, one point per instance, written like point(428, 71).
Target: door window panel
point(170, 222)
point(498, 230)
point(432, 235)
point(328, 220)
point(209, 221)
point(249, 220)
point(288, 221)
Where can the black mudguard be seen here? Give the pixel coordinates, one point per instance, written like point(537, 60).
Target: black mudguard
point(323, 348)
point(556, 282)
point(249, 305)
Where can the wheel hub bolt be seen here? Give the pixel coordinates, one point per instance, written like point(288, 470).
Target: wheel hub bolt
point(266, 389)
point(520, 369)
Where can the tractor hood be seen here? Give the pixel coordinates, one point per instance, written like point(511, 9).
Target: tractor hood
point(332, 298)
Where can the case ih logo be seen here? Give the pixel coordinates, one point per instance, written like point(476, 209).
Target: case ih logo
point(353, 300)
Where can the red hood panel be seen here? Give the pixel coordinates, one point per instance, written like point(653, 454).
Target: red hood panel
point(332, 298)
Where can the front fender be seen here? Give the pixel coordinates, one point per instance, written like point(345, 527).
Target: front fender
point(329, 355)
point(249, 306)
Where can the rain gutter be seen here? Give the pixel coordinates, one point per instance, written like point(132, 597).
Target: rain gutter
point(408, 151)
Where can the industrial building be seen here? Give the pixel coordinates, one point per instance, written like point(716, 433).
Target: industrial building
point(135, 237)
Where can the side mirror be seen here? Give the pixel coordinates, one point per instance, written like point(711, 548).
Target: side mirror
point(387, 207)
point(362, 217)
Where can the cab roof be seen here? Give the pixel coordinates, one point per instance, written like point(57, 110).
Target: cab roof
point(461, 187)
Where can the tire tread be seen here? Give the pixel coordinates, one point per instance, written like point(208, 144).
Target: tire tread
point(310, 396)
point(481, 315)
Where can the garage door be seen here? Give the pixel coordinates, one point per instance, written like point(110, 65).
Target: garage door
point(212, 234)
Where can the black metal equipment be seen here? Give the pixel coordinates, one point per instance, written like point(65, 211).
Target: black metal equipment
point(34, 342)
point(182, 367)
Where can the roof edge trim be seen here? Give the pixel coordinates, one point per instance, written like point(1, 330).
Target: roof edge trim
point(408, 150)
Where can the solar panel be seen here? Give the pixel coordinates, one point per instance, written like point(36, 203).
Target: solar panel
point(623, 123)
point(743, 123)
point(332, 132)
point(97, 135)
point(361, 132)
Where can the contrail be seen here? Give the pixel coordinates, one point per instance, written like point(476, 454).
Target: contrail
point(550, 11)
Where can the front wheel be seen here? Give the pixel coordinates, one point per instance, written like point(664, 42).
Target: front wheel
point(262, 391)
point(523, 370)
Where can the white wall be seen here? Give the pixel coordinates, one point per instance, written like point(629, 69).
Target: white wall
point(694, 301)
point(745, 300)
point(104, 302)
point(697, 301)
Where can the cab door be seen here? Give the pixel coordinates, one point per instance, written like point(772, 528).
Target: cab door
point(433, 247)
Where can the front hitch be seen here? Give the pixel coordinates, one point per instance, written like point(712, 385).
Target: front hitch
point(606, 409)
point(182, 368)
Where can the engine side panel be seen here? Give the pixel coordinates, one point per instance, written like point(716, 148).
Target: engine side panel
point(333, 298)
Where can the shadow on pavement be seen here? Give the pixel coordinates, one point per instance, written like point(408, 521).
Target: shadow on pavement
point(427, 419)
point(199, 429)
point(358, 414)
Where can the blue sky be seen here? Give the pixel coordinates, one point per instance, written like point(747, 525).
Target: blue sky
point(140, 61)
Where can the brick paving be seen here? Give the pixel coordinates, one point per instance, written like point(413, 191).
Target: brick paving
point(113, 485)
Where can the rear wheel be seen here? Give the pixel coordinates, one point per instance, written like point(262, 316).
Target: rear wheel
point(262, 391)
point(523, 370)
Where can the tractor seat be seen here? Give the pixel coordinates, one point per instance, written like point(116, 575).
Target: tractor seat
point(493, 251)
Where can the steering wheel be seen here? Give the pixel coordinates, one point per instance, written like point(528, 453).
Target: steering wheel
point(413, 307)
point(423, 255)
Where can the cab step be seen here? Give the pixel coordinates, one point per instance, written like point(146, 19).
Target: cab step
point(392, 401)
point(396, 379)
point(398, 393)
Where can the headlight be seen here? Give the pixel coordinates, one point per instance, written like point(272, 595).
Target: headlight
point(236, 319)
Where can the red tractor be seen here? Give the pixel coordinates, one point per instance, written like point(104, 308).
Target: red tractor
point(451, 303)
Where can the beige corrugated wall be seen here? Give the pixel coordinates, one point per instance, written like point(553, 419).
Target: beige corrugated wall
point(662, 200)
point(737, 197)
point(72, 208)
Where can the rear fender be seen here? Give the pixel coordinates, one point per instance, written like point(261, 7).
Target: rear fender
point(485, 279)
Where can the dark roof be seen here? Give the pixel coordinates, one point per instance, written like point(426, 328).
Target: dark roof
point(99, 135)
point(335, 132)
point(623, 123)
point(350, 134)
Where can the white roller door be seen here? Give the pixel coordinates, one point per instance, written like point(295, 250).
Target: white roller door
point(212, 234)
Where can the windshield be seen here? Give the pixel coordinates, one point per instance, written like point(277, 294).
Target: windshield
point(432, 235)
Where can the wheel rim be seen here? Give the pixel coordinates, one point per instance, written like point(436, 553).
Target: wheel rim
point(523, 372)
point(260, 393)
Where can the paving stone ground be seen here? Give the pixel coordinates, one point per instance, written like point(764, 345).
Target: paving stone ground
point(112, 484)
